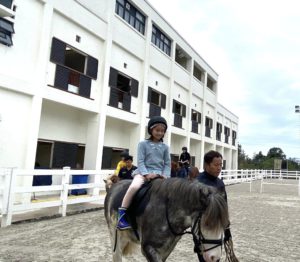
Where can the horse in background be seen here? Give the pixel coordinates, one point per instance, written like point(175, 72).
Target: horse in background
point(174, 206)
point(193, 173)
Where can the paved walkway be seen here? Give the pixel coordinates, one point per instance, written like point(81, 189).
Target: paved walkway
point(265, 227)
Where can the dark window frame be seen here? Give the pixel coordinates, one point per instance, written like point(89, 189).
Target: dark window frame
point(128, 12)
point(182, 108)
point(159, 39)
point(120, 96)
point(66, 75)
point(219, 131)
point(6, 32)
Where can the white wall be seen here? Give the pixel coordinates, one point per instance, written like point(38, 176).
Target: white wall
point(62, 123)
point(15, 110)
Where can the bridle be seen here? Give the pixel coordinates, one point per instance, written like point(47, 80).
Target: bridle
point(198, 237)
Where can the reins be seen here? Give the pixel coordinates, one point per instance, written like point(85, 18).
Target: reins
point(198, 240)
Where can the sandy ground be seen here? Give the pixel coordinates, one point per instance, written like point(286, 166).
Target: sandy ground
point(265, 227)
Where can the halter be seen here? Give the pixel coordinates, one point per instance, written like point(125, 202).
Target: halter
point(198, 239)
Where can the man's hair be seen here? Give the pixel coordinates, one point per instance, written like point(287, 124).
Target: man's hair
point(210, 155)
point(128, 158)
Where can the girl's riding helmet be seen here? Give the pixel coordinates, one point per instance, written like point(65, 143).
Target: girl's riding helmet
point(156, 120)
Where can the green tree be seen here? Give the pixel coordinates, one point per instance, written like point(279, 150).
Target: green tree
point(276, 152)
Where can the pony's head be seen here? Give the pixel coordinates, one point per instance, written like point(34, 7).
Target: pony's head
point(213, 222)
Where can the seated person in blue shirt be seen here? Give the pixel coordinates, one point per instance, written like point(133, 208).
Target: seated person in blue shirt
point(126, 172)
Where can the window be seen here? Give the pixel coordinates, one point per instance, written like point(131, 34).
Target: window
point(74, 69)
point(179, 111)
point(6, 31)
point(196, 116)
point(227, 133)
point(6, 3)
point(208, 126)
point(196, 120)
point(233, 137)
point(131, 15)
point(122, 88)
point(211, 84)
point(157, 101)
point(111, 157)
point(160, 40)
point(198, 73)
point(182, 58)
point(219, 131)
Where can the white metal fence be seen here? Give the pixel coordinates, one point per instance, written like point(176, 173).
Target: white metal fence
point(10, 188)
point(17, 199)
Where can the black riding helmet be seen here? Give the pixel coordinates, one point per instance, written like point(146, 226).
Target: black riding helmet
point(156, 120)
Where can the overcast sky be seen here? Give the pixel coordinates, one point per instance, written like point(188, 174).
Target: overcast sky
point(254, 46)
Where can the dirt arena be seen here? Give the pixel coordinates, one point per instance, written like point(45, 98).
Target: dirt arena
point(265, 227)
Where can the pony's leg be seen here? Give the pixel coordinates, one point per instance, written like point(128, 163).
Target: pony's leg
point(151, 254)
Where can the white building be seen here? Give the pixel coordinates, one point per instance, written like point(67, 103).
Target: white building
point(80, 78)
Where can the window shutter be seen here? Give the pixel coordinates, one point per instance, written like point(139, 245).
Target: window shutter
point(149, 94)
point(195, 126)
point(126, 102)
point(64, 154)
point(183, 110)
point(178, 121)
point(106, 158)
point(85, 86)
point(57, 51)
point(134, 87)
point(163, 101)
point(199, 118)
point(113, 77)
point(173, 109)
point(114, 97)
point(61, 77)
point(210, 123)
point(92, 67)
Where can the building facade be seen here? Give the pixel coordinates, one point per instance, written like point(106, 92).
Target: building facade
point(79, 80)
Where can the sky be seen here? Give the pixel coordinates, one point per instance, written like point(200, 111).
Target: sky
point(254, 46)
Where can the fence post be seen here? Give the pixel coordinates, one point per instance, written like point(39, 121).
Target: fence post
point(8, 198)
point(299, 188)
point(65, 191)
point(261, 184)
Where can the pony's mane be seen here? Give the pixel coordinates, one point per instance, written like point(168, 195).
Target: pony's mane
point(183, 191)
point(196, 196)
point(216, 215)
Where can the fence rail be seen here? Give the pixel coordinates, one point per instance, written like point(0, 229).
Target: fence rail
point(10, 187)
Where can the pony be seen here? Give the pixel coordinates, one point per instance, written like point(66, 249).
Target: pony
point(173, 206)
